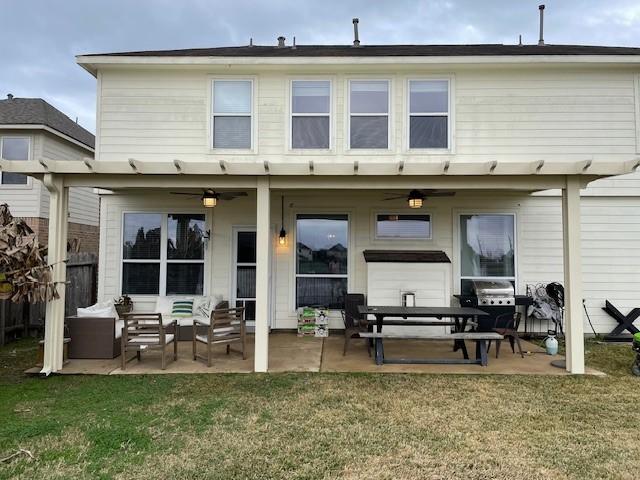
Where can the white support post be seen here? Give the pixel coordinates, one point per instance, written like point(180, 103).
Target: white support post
point(57, 254)
point(263, 265)
point(574, 329)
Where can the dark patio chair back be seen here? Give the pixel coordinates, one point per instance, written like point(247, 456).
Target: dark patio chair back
point(351, 316)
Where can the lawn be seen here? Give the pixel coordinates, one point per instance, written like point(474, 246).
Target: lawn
point(311, 426)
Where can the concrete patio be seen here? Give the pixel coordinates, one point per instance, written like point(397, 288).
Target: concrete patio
point(290, 353)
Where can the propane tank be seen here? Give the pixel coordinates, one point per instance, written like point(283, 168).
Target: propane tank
point(551, 345)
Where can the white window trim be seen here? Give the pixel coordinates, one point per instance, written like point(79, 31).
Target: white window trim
point(211, 113)
point(20, 186)
point(163, 260)
point(330, 115)
point(369, 151)
point(294, 250)
point(450, 79)
point(401, 239)
point(458, 244)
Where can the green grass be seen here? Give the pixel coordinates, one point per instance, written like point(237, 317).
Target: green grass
point(307, 426)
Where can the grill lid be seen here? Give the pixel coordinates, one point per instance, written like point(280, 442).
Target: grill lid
point(498, 292)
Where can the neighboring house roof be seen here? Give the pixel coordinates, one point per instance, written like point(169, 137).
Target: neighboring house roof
point(35, 111)
point(382, 51)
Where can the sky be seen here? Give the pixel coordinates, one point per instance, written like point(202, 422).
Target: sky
point(38, 45)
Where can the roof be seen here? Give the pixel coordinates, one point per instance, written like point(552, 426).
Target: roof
point(406, 256)
point(382, 51)
point(35, 111)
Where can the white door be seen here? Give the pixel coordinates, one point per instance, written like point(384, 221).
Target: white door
point(244, 272)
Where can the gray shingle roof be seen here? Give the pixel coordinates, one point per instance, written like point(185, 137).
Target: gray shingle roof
point(35, 111)
point(383, 51)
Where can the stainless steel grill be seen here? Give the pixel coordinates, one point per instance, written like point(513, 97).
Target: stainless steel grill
point(494, 293)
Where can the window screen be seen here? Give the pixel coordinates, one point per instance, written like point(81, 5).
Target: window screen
point(428, 114)
point(369, 114)
point(403, 226)
point(232, 114)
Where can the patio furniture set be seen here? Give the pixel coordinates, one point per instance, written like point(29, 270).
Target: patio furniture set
point(358, 324)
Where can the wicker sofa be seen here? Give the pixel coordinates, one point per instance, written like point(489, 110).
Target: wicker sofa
point(94, 337)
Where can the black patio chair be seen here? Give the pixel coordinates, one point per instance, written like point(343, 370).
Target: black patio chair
point(507, 325)
point(354, 322)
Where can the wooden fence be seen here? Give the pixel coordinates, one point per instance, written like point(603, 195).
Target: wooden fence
point(22, 319)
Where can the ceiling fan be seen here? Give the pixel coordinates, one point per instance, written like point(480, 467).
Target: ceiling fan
point(415, 198)
point(210, 197)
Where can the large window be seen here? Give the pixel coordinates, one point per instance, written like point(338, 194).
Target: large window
point(369, 114)
point(232, 114)
point(428, 114)
point(403, 226)
point(321, 260)
point(487, 248)
point(14, 148)
point(310, 114)
point(163, 254)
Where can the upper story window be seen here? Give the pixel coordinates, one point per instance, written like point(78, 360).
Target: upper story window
point(403, 226)
point(369, 114)
point(232, 114)
point(14, 148)
point(310, 114)
point(428, 114)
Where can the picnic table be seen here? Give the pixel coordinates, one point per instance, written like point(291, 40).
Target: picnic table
point(457, 317)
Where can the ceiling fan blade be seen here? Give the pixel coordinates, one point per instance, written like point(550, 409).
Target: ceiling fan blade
point(399, 197)
point(440, 194)
point(186, 193)
point(231, 195)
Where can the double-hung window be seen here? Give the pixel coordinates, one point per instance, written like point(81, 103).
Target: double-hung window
point(321, 260)
point(14, 148)
point(368, 114)
point(429, 114)
point(487, 248)
point(310, 114)
point(232, 114)
point(163, 254)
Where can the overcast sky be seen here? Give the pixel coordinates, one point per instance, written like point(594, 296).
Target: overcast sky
point(39, 38)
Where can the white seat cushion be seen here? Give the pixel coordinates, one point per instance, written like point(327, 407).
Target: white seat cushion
point(101, 309)
point(119, 327)
point(164, 305)
point(150, 338)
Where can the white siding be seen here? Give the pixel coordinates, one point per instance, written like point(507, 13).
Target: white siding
point(516, 114)
point(611, 257)
point(83, 203)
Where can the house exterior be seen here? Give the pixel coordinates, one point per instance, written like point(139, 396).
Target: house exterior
point(31, 129)
point(313, 141)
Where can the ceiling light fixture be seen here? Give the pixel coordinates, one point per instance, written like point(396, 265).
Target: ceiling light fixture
point(415, 199)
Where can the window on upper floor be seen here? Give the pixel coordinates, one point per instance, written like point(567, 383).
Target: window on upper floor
point(310, 114)
point(232, 114)
point(428, 114)
point(368, 114)
point(14, 148)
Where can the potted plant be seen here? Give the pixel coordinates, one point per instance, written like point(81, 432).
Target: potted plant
point(123, 304)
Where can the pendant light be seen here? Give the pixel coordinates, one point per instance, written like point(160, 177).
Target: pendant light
point(209, 199)
point(282, 237)
point(415, 199)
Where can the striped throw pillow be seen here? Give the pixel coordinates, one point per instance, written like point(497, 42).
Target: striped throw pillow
point(182, 308)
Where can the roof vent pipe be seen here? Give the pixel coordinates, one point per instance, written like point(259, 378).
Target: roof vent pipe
point(281, 42)
point(356, 39)
point(10, 96)
point(541, 39)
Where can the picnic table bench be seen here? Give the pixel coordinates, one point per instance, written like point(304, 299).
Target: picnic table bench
point(480, 338)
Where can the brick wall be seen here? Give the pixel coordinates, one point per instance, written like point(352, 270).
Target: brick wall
point(88, 235)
